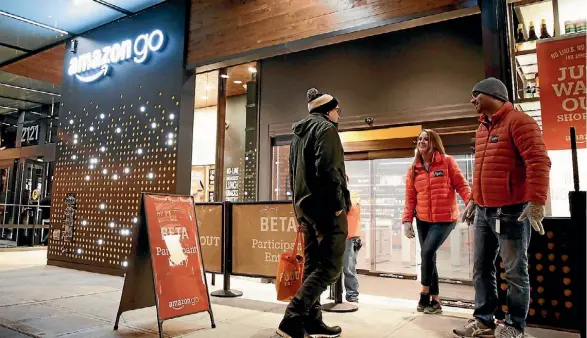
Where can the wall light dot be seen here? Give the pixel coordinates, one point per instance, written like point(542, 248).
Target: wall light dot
point(91, 167)
point(169, 142)
point(115, 177)
point(104, 171)
point(170, 135)
point(171, 116)
point(91, 128)
point(75, 141)
point(112, 224)
point(135, 219)
point(153, 125)
point(102, 116)
point(125, 232)
point(100, 241)
point(88, 177)
point(70, 121)
point(139, 151)
point(126, 170)
point(102, 149)
point(74, 157)
point(102, 206)
point(75, 135)
point(79, 251)
point(143, 109)
point(84, 222)
point(118, 130)
point(150, 176)
point(125, 264)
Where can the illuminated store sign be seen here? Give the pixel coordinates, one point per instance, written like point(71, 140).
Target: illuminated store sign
point(100, 59)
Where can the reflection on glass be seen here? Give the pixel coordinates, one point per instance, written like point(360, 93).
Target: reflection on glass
point(281, 189)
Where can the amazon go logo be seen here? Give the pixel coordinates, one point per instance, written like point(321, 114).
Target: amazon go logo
point(180, 303)
point(91, 66)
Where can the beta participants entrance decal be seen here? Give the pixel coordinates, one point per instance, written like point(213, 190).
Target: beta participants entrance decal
point(561, 65)
point(175, 252)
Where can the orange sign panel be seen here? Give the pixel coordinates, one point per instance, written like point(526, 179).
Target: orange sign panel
point(561, 69)
point(178, 270)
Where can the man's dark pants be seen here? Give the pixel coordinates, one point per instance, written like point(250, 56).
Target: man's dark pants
point(325, 243)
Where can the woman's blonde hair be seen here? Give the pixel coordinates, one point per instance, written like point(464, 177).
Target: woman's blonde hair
point(434, 143)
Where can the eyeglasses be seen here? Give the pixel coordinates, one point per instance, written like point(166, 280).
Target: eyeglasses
point(338, 110)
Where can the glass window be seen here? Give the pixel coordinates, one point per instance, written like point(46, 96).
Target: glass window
point(561, 180)
point(280, 177)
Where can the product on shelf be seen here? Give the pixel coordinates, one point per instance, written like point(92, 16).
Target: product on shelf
point(532, 37)
point(529, 93)
point(581, 26)
point(570, 27)
point(520, 38)
point(543, 31)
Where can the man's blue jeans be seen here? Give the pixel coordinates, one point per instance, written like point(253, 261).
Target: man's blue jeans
point(511, 239)
point(349, 270)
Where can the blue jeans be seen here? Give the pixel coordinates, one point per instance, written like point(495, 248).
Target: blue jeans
point(431, 236)
point(349, 270)
point(511, 240)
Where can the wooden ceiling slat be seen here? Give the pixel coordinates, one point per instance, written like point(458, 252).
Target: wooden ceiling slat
point(46, 66)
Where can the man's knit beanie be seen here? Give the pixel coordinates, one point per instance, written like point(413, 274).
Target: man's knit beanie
point(492, 87)
point(321, 103)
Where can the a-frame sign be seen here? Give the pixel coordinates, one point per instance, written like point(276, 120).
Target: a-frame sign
point(166, 268)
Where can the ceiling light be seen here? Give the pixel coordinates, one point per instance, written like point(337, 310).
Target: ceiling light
point(224, 76)
point(238, 82)
point(19, 18)
point(252, 69)
point(29, 89)
point(10, 108)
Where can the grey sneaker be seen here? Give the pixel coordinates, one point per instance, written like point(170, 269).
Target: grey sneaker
point(433, 308)
point(510, 332)
point(475, 329)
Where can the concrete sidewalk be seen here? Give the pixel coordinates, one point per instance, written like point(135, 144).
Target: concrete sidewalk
point(43, 301)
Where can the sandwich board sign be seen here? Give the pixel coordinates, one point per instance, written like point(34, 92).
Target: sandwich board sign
point(166, 268)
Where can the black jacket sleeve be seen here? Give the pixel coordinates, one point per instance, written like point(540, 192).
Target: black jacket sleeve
point(329, 157)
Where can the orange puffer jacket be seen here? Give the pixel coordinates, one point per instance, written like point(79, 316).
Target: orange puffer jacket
point(431, 193)
point(511, 163)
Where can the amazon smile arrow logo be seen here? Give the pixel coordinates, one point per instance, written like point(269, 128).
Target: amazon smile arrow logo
point(91, 78)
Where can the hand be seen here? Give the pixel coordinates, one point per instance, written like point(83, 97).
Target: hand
point(469, 213)
point(534, 212)
point(409, 230)
point(338, 213)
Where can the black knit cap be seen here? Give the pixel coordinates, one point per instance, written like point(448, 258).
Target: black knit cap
point(320, 103)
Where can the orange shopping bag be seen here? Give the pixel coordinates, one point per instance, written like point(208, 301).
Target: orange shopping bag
point(290, 271)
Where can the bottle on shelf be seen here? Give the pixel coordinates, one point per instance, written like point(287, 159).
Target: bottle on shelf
point(543, 30)
point(532, 37)
point(520, 38)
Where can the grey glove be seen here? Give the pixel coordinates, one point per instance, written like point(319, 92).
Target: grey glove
point(534, 212)
point(409, 230)
point(469, 213)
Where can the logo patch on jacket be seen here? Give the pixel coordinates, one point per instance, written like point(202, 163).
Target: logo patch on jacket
point(494, 139)
point(438, 173)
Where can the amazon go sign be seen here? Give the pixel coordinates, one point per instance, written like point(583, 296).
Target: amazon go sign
point(94, 65)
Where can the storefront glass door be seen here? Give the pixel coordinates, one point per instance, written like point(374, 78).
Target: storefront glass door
point(380, 185)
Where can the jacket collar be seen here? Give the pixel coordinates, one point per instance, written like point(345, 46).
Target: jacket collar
point(501, 113)
point(436, 158)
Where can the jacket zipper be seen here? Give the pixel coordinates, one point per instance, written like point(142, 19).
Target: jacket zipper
point(483, 158)
point(429, 197)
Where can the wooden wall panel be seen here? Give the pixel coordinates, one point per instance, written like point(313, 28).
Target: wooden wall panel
point(46, 66)
point(221, 28)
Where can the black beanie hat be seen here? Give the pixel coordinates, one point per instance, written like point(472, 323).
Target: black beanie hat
point(320, 103)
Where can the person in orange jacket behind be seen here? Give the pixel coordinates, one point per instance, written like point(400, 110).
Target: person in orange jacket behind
point(353, 245)
point(431, 183)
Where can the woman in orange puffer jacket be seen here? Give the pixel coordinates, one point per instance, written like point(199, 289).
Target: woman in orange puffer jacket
point(431, 183)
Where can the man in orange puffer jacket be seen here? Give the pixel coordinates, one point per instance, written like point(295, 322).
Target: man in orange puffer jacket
point(510, 186)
